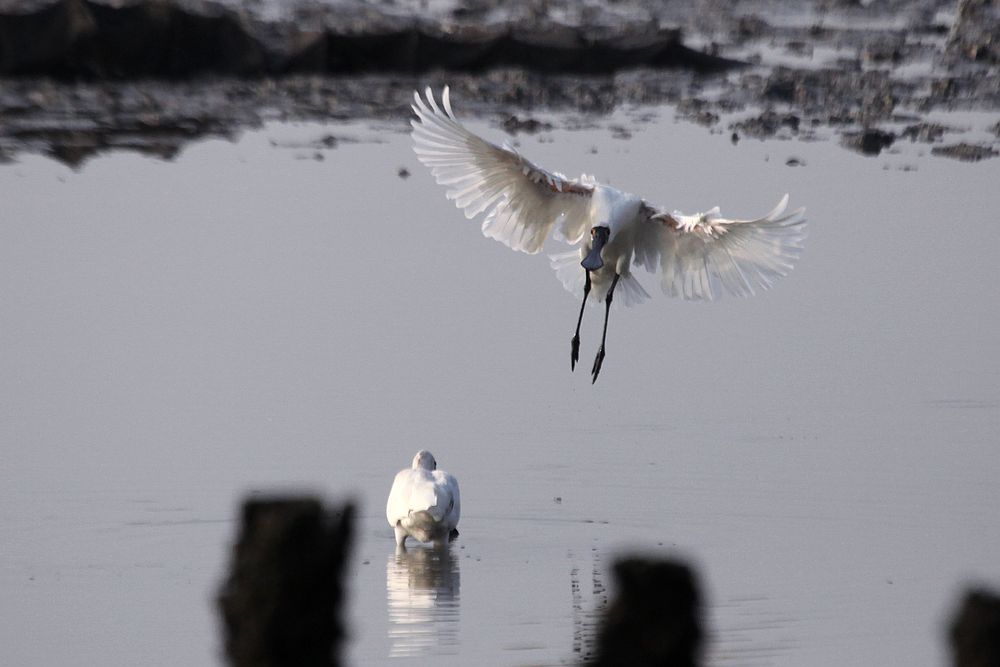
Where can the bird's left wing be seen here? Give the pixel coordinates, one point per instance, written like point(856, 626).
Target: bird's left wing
point(398, 504)
point(522, 201)
point(700, 255)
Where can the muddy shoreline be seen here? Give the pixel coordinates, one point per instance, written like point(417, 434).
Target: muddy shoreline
point(866, 74)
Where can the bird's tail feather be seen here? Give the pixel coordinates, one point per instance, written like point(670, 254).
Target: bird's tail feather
point(629, 292)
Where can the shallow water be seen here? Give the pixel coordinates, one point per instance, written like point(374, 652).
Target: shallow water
point(177, 334)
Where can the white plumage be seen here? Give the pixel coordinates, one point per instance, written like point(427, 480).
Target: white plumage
point(698, 256)
point(424, 502)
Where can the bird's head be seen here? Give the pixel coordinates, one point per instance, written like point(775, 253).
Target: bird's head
point(424, 459)
point(598, 239)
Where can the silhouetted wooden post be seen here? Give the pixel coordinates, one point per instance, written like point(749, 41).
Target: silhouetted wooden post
point(655, 619)
point(281, 603)
point(975, 630)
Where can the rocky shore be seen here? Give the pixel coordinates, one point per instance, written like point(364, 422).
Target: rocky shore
point(80, 76)
point(74, 39)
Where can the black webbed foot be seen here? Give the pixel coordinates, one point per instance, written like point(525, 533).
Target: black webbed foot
point(598, 360)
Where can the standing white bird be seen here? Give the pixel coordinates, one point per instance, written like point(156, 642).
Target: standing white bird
point(699, 256)
point(424, 502)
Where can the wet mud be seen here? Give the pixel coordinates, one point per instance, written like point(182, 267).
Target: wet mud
point(81, 77)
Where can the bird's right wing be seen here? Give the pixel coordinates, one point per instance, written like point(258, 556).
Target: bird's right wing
point(448, 482)
point(701, 255)
point(522, 201)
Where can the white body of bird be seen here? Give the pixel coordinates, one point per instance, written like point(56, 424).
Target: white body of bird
point(614, 209)
point(424, 502)
point(698, 256)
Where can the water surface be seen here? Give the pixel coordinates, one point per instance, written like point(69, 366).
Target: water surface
point(272, 314)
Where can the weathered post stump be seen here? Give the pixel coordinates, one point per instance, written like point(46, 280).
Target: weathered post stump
point(975, 630)
point(655, 618)
point(281, 603)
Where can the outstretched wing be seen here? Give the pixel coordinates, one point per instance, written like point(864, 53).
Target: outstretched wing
point(522, 202)
point(701, 255)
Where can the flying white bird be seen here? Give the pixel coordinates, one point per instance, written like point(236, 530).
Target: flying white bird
point(424, 502)
point(699, 256)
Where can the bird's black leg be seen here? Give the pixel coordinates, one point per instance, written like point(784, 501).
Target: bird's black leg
point(575, 353)
point(607, 309)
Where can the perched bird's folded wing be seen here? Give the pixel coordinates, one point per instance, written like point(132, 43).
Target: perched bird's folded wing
point(699, 255)
point(398, 504)
point(449, 484)
point(522, 202)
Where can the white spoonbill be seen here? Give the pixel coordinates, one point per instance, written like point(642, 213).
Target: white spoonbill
point(424, 502)
point(698, 256)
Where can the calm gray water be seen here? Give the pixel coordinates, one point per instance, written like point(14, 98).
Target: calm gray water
point(174, 335)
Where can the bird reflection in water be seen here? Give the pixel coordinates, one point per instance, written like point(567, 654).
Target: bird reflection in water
point(422, 588)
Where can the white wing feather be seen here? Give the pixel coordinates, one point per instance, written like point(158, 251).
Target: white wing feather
point(702, 255)
point(522, 201)
point(449, 485)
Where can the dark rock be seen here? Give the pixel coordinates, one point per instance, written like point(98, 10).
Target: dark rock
point(965, 152)
point(301, 52)
point(157, 38)
point(975, 630)
point(173, 39)
point(781, 87)
point(926, 133)
point(655, 620)
point(974, 35)
point(281, 603)
point(868, 142)
point(403, 172)
point(620, 132)
point(159, 136)
point(559, 48)
point(73, 38)
point(45, 40)
point(795, 162)
point(697, 110)
point(378, 50)
point(885, 52)
point(945, 89)
point(767, 124)
point(799, 49)
point(512, 125)
point(751, 27)
point(837, 119)
point(818, 31)
point(866, 96)
point(706, 118)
